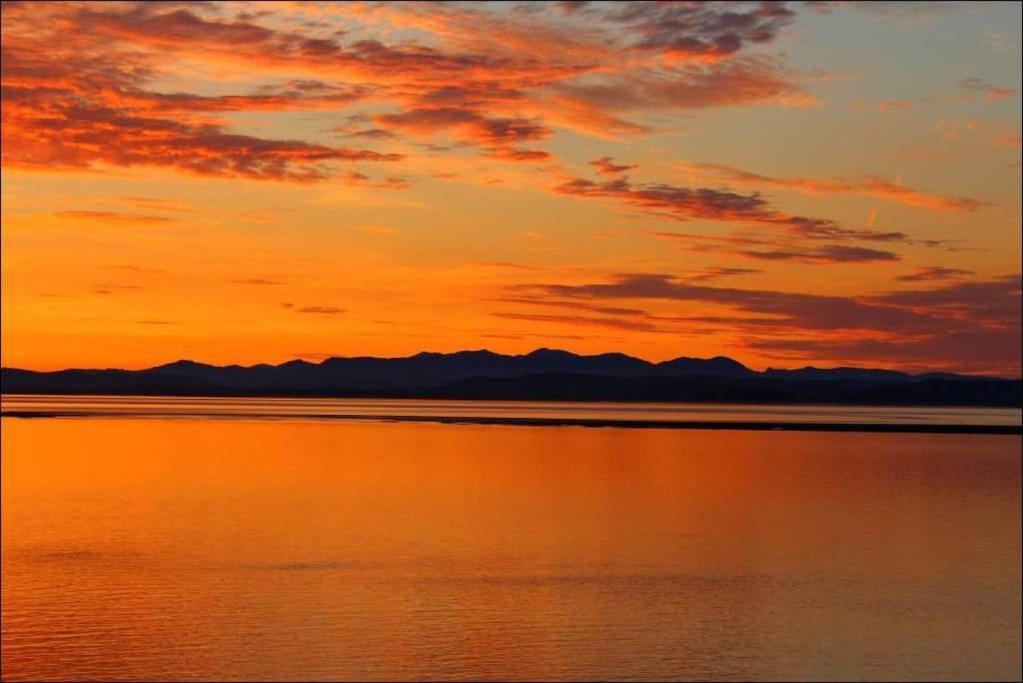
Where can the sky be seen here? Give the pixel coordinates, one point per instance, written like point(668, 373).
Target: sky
point(788, 184)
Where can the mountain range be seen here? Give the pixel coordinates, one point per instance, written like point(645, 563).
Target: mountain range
point(544, 374)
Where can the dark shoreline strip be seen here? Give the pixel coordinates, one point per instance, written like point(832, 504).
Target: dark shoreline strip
point(564, 422)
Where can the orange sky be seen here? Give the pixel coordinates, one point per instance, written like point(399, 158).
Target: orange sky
point(827, 183)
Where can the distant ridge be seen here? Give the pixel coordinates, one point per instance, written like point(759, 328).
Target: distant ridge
point(543, 374)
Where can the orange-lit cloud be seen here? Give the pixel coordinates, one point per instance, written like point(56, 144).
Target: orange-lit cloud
point(687, 203)
point(778, 248)
point(319, 310)
point(870, 186)
point(953, 321)
point(90, 98)
point(928, 273)
point(110, 217)
point(606, 166)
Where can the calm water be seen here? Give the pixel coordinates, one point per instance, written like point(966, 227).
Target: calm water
point(168, 548)
point(359, 408)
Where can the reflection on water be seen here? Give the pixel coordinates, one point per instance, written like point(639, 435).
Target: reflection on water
point(246, 549)
point(166, 406)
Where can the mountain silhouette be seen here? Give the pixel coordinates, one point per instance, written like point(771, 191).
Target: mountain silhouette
point(543, 374)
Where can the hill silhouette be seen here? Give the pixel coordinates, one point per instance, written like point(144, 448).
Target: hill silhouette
point(543, 374)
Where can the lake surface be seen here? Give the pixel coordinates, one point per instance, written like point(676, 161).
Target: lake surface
point(546, 412)
point(296, 549)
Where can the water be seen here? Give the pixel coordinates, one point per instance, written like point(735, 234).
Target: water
point(168, 548)
point(505, 411)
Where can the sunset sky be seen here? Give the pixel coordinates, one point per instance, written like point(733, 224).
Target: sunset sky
point(822, 183)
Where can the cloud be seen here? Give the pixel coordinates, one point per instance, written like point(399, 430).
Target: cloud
point(988, 133)
point(156, 203)
point(55, 135)
point(243, 40)
point(631, 318)
point(320, 310)
point(995, 301)
point(363, 180)
point(716, 272)
point(929, 273)
point(111, 218)
point(606, 166)
point(746, 80)
point(869, 186)
point(686, 203)
point(576, 306)
point(991, 93)
point(948, 324)
point(136, 269)
point(518, 154)
point(376, 133)
point(958, 350)
point(284, 97)
point(111, 288)
point(85, 84)
point(587, 32)
point(701, 30)
point(775, 248)
point(833, 253)
point(497, 135)
point(786, 309)
point(984, 347)
point(892, 9)
point(260, 281)
point(681, 203)
point(911, 310)
point(77, 98)
point(975, 89)
point(503, 265)
point(613, 323)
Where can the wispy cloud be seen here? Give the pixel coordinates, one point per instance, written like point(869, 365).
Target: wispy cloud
point(990, 92)
point(940, 320)
point(317, 310)
point(870, 186)
point(606, 166)
point(111, 217)
point(259, 281)
point(929, 273)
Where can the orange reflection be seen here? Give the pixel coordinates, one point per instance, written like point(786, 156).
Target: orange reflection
point(225, 549)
